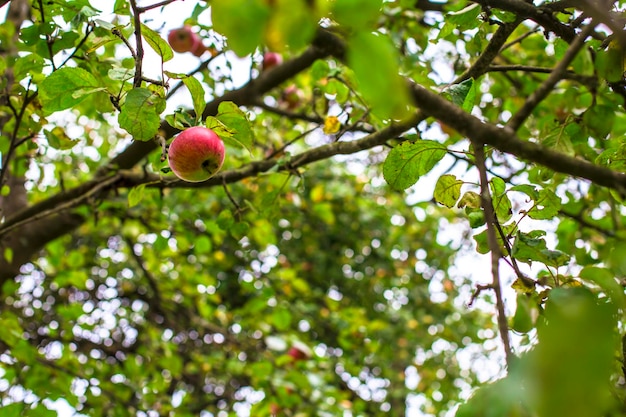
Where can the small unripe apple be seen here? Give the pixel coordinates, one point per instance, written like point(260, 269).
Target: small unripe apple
point(271, 59)
point(196, 154)
point(183, 39)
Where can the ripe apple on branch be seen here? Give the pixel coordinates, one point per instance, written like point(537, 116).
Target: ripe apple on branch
point(196, 154)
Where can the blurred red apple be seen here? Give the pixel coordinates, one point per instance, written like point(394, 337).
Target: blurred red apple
point(271, 59)
point(292, 97)
point(299, 351)
point(196, 154)
point(183, 39)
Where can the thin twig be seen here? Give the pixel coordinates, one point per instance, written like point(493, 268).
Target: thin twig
point(154, 6)
point(496, 254)
point(555, 76)
point(139, 44)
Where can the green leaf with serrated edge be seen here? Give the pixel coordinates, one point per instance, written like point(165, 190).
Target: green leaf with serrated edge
point(407, 162)
point(237, 122)
point(547, 206)
point(447, 190)
point(224, 132)
point(121, 73)
point(157, 43)
point(140, 114)
point(197, 95)
point(376, 83)
point(246, 31)
point(606, 280)
point(528, 247)
point(501, 202)
point(135, 195)
point(56, 91)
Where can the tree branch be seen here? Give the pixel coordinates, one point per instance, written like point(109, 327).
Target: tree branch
point(548, 85)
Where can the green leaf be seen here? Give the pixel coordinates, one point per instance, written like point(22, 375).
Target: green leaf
point(203, 244)
point(606, 280)
point(140, 113)
point(237, 123)
point(569, 372)
point(381, 84)
point(465, 18)
point(547, 205)
point(225, 220)
point(157, 43)
point(58, 139)
point(57, 91)
point(281, 318)
point(501, 202)
point(407, 162)
point(28, 66)
point(197, 95)
point(599, 119)
point(470, 200)
point(243, 22)
point(135, 195)
point(292, 24)
point(357, 14)
point(8, 255)
point(463, 94)
point(610, 63)
point(448, 190)
point(522, 319)
point(528, 246)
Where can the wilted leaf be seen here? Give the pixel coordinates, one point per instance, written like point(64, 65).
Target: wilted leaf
point(448, 190)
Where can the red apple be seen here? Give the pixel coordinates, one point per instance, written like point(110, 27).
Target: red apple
point(271, 59)
point(198, 48)
point(183, 39)
point(196, 154)
point(299, 351)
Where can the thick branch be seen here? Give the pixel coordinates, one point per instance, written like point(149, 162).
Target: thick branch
point(505, 140)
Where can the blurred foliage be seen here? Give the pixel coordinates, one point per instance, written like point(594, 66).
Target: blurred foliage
point(172, 300)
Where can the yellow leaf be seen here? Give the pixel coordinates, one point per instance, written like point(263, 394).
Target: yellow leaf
point(331, 125)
